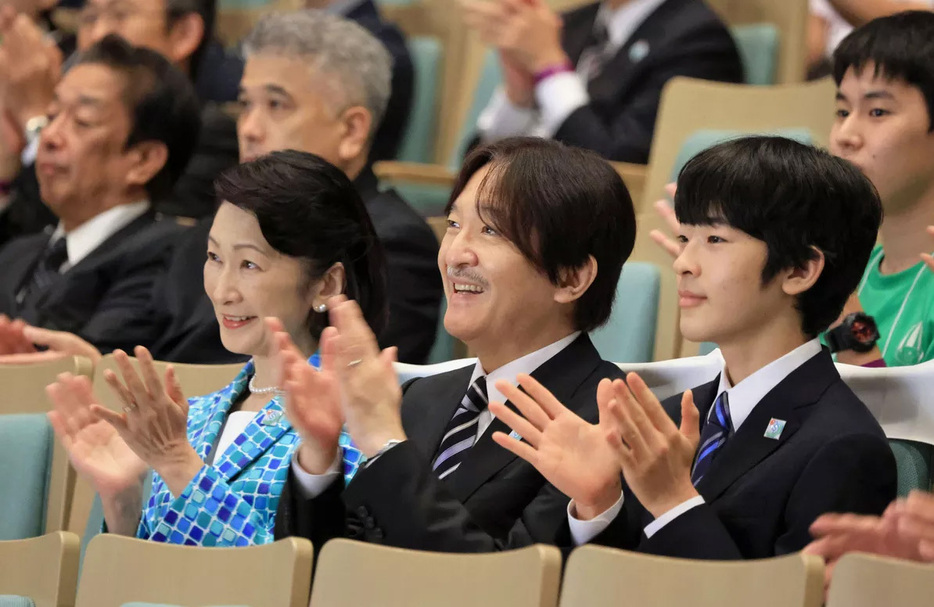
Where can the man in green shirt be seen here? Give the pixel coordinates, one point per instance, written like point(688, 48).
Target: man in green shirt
point(885, 104)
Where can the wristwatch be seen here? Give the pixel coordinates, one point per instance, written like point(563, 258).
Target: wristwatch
point(857, 332)
point(34, 127)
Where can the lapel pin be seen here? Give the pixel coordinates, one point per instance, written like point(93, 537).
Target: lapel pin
point(272, 418)
point(638, 51)
point(515, 435)
point(774, 429)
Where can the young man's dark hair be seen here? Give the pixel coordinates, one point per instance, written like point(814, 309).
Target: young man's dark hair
point(308, 209)
point(796, 199)
point(557, 225)
point(899, 46)
point(162, 103)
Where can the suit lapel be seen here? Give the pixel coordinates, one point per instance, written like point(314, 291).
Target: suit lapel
point(261, 433)
point(425, 424)
point(745, 449)
point(26, 264)
point(211, 420)
point(562, 375)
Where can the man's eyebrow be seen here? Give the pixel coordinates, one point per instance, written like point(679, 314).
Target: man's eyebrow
point(879, 94)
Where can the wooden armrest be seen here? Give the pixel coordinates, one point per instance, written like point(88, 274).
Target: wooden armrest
point(428, 174)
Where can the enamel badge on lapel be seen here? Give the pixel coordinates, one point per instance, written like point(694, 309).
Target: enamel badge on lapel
point(638, 51)
point(272, 418)
point(774, 429)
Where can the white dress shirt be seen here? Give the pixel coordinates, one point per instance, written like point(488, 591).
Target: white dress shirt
point(93, 233)
point(559, 95)
point(743, 398)
point(313, 485)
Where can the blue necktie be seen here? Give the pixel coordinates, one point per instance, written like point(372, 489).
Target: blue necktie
point(714, 435)
point(461, 432)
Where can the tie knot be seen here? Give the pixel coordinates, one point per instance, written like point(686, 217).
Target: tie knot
point(721, 413)
point(476, 394)
point(56, 254)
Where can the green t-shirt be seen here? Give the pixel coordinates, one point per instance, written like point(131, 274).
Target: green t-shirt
point(903, 306)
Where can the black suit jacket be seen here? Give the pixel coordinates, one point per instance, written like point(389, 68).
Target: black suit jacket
point(684, 38)
point(105, 298)
point(192, 196)
point(762, 494)
point(190, 331)
point(493, 501)
point(413, 280)
point(389, 134)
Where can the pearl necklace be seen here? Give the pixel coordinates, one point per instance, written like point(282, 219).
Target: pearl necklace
point(269, 390)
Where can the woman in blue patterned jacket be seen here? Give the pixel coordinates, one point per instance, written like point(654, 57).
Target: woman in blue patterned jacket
point(290, 232)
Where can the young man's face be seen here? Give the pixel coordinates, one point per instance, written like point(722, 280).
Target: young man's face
point(139, 22)
point(882, 126)
point(720, 290)
point(281, 108)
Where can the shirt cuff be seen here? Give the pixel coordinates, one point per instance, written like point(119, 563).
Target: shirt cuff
point(656, 525)
point(313, 485)
point(501, 119)
point(584, 531)
point(558, 97)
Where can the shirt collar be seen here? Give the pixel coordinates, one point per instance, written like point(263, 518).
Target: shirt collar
point(622, 23)
point(92, 233)
point(526, 364)
point(746, 394)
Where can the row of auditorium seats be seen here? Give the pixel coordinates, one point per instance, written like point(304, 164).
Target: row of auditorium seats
point(126, 572)
point(40, 492)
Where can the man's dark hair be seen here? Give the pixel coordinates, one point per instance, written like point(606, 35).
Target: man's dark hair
point(207, 10)
point(900, 47)
point(796, 199)
point(309, 209)
point(558, 205)
point(161, 101)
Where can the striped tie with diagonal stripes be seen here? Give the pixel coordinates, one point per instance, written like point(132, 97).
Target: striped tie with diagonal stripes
point(714, 435)
point(461, 431)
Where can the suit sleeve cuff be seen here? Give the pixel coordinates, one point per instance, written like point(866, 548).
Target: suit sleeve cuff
point(656, 525)
point(312, 485)
point(584, 531)
point(558, 97)
point(502, 119)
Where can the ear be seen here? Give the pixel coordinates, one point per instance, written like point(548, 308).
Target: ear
point(148, 158)
point(355, 133)
point(574, 282)
point(798, 280)
point(329, 285)
point(185, 36)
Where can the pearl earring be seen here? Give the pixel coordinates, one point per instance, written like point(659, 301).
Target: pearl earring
point(321, 308)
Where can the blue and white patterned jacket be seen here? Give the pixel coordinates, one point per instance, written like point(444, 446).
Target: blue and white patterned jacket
point(233, 501)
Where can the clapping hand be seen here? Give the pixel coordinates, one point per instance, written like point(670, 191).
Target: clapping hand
point(527, 31)
point(312, 401)
point(669, 241)
point(154, 419)
point(30, 67)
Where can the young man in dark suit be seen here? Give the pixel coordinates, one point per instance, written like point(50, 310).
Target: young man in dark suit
point(122, 128)
point(594, 76)
point(774, 236)
point(526, 275)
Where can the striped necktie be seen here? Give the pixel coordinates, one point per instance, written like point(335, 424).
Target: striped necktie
point(595, 53)
point(716, 431)
point(43, 275)
point(461, 431)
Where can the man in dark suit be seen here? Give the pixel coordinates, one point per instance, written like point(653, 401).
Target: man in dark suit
point(594, 76)
point(180, 31)
point(783, 439)
point(526, 276)
point(103, 156)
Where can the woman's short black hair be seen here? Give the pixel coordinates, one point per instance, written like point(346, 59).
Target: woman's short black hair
point(161, 101)
point(558, 205)
point(308, 209)
point(796, 199)
point(900, 46)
